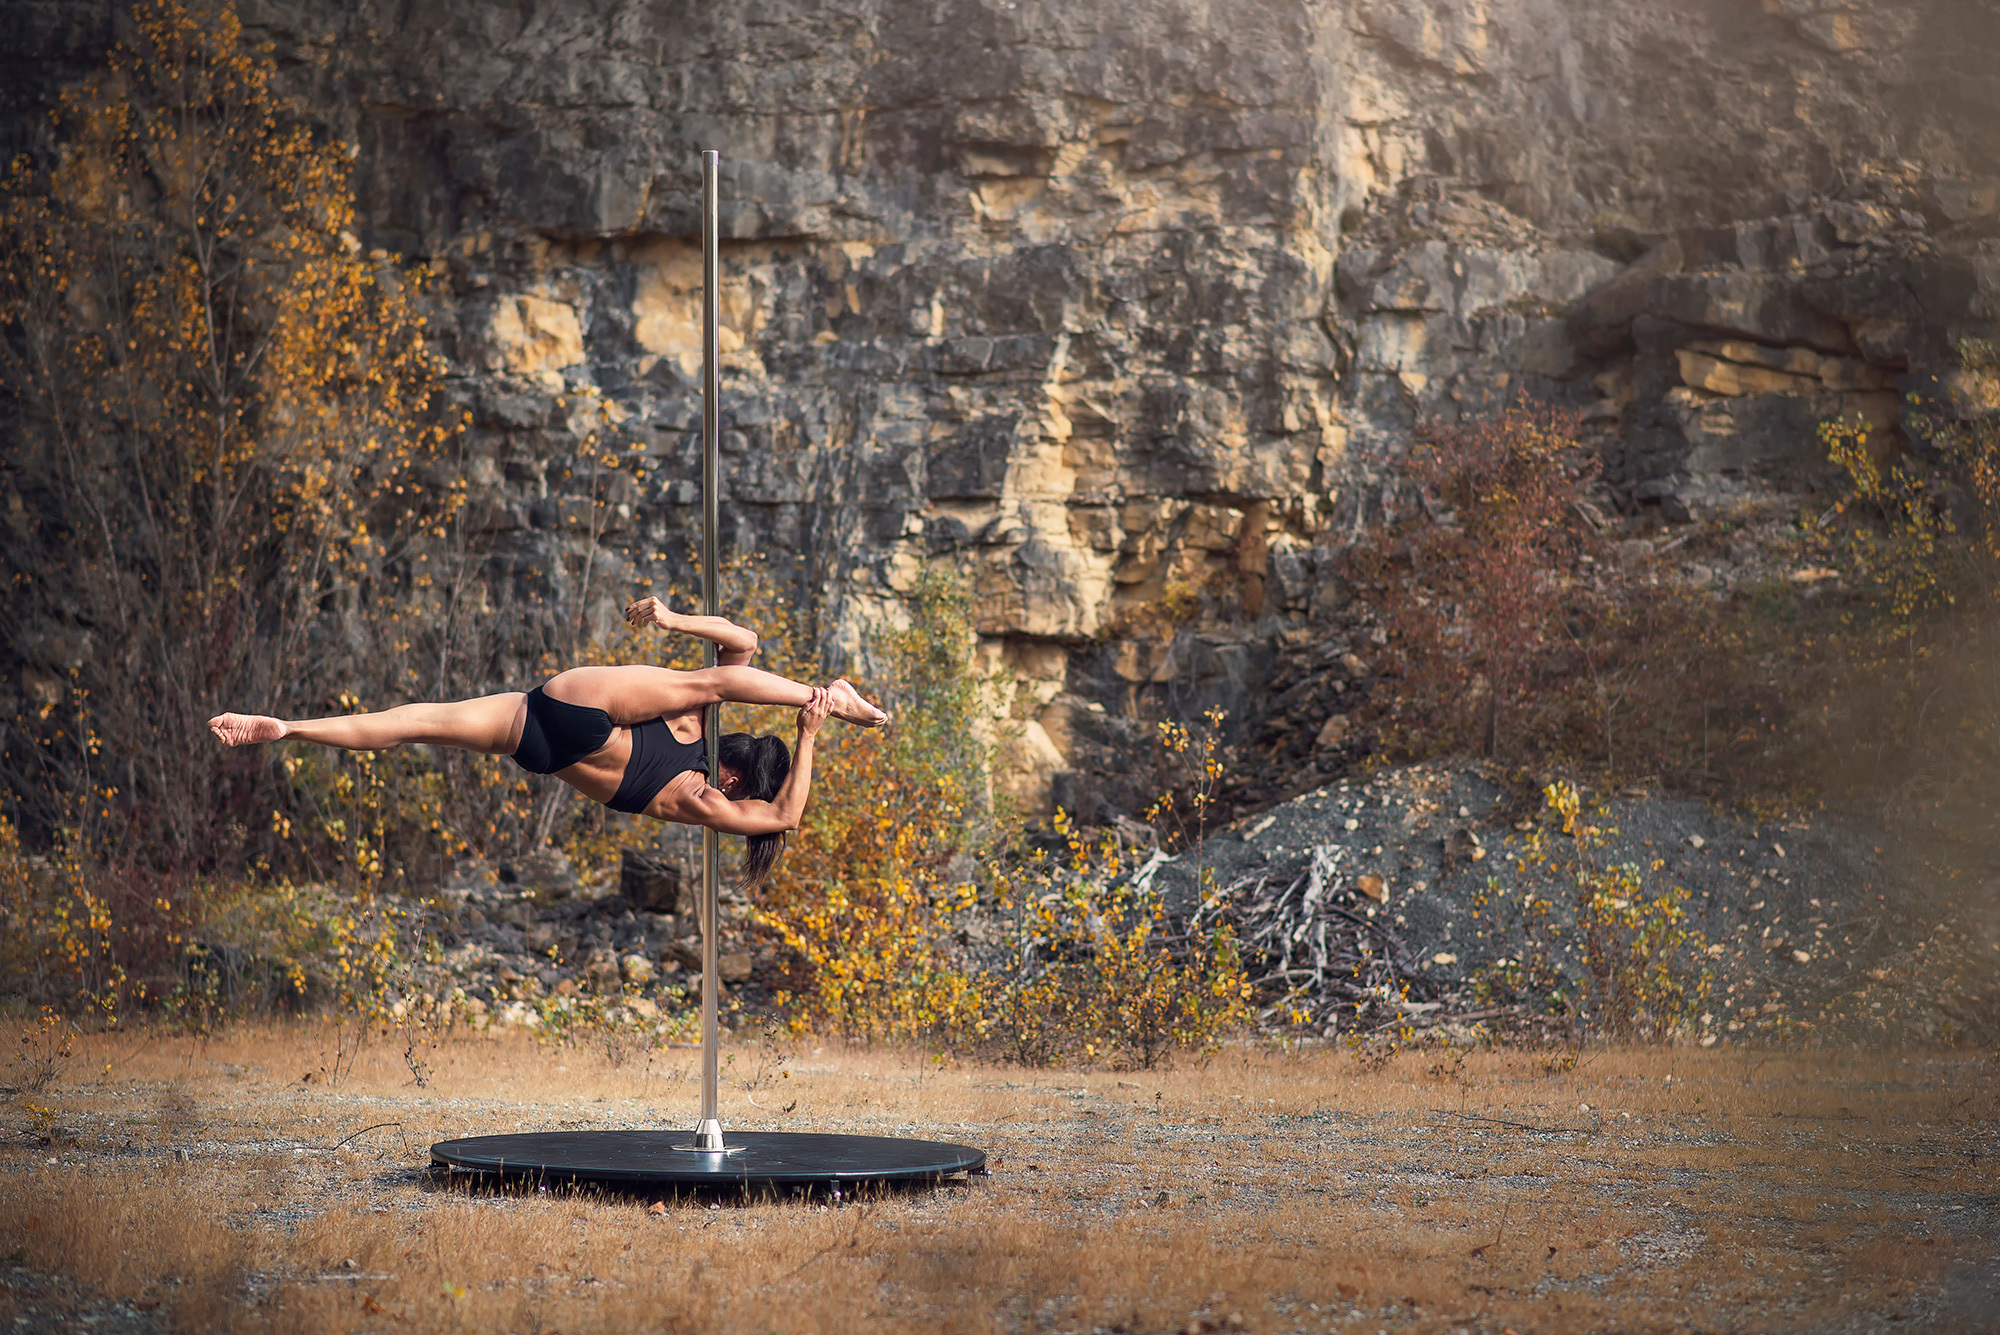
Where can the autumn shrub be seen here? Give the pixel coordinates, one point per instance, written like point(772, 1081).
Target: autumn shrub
point(1645, 970)
point(867, 897)
point(46, 1049)
point(1915, 719)
point(1515, 630)
point(63, 940)
point(1092, 967)
point(1603, 947)
point(1474, 587)
point(1934, 539)
point(909, 907)
point(1088, 962)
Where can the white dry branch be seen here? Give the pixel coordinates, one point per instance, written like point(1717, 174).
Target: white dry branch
point(1313, 952)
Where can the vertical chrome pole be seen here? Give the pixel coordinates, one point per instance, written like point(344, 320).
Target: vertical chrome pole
point(708, 1133)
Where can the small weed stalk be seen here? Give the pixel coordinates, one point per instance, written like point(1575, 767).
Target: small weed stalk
point(1194, 768)
point(343, 1036)
point(776, 1051)
point(46, 1048)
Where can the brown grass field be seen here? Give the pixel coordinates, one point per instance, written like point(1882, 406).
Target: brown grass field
point(172, 1183)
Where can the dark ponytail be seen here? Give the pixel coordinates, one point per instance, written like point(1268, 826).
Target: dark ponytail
point(764, 763)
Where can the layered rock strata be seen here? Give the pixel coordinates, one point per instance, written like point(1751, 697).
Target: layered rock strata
point(1132, 309)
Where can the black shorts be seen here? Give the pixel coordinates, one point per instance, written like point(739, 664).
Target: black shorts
point(557, 734)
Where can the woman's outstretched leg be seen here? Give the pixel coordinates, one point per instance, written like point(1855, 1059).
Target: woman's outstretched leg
point(491, 723)
point(634, 694)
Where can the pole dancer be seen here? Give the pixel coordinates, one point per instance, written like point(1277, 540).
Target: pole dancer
point(646, 740)
point(630, 737)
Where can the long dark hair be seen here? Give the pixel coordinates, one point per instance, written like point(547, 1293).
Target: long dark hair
point(764, 763)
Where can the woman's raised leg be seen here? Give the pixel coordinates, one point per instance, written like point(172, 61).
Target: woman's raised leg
point(491, 723)
point(634, 694)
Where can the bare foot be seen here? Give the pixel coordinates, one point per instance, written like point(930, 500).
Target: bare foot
point(848, 705)
point(242, 729)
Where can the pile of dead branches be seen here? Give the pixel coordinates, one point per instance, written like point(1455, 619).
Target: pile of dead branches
point(1317, 956)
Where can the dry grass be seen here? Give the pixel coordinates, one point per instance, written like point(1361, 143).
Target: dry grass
point(194, 1186)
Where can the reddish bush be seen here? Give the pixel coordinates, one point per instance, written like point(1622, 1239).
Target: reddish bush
point(1477, 589)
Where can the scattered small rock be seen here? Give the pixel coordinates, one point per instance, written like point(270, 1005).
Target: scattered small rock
point(602, 972)
point(1333, 732)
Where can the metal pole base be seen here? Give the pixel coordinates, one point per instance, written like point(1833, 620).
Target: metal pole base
point(708, 1140)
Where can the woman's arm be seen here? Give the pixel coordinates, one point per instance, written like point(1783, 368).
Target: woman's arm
point(788, 807)
point(792, 793)
point(734, 644)
point(711, 809)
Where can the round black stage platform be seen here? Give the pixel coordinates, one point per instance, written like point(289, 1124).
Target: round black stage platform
point(756, 1159)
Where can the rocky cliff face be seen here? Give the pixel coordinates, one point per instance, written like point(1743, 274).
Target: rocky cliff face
point(1133, 307)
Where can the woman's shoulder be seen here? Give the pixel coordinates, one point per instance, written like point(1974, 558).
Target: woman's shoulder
point(682, 798)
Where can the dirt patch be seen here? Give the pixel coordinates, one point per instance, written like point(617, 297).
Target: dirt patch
point(1263, 1191)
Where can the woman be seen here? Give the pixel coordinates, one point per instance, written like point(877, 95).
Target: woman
point(629, 737)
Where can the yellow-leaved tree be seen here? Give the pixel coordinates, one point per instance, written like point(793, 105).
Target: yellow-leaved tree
point(225, 438)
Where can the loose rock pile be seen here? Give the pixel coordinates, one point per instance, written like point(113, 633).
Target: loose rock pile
point(1404, 900)
point(512, 943)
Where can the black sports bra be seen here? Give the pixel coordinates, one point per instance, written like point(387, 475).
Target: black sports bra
point(557, 734)
point(657, 758)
